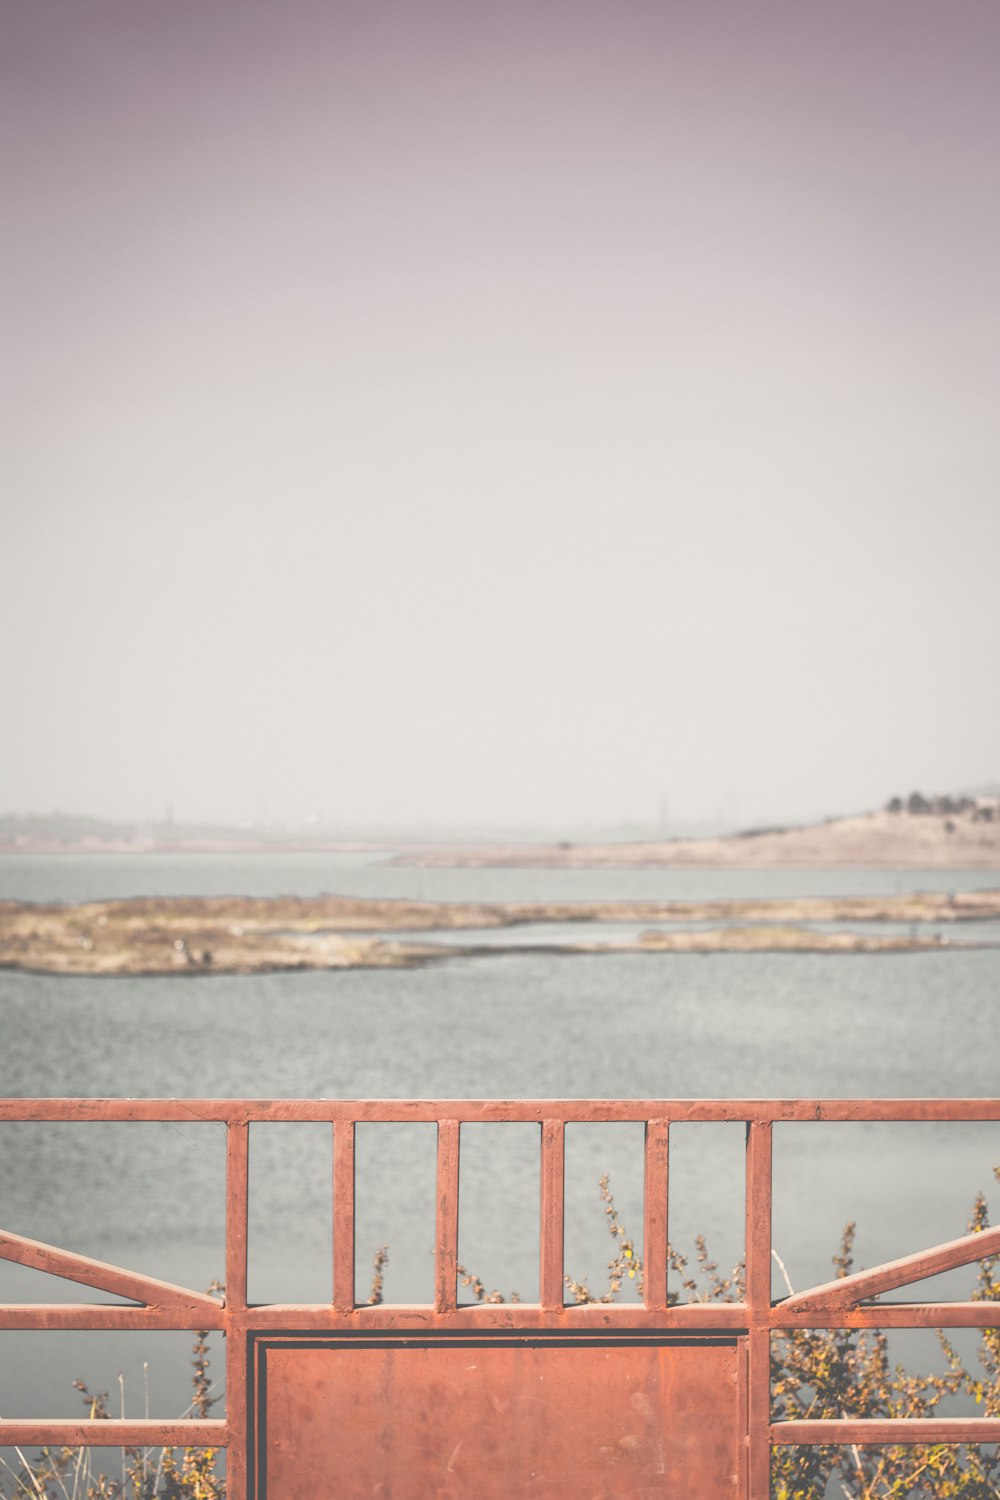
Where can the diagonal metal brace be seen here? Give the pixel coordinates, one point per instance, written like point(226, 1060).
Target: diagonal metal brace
point(102, 1276)
point(848, 1291)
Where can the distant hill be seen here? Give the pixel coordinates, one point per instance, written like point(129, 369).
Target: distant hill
point(946, 833)
point(917, 831)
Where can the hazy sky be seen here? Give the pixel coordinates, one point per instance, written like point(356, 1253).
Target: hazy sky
point(499, 412)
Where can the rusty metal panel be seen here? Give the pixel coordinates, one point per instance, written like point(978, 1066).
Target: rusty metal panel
point(564, 1418)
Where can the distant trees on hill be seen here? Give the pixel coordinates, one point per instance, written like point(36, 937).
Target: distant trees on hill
point(944, 806)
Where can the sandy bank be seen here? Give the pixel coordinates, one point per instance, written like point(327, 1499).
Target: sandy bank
point(238, 935)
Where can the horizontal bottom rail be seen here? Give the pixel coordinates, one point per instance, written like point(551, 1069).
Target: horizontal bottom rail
point(528, 1315)
point(97, 1315)
point(888, 1431)
point(100, 1433)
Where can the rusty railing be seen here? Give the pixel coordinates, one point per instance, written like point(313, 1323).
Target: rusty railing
point(840, 1304)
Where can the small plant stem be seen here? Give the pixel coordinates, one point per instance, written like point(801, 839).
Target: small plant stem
point(145, 1407)
point(121, 1394)
point(17, 1478)
point(784, 1272)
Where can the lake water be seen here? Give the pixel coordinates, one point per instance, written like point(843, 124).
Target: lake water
point(506, 1025)
point(82, 877)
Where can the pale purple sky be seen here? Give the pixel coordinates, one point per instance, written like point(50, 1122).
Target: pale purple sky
point(499, 413)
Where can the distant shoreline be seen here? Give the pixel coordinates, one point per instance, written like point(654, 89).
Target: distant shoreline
point(964, 840)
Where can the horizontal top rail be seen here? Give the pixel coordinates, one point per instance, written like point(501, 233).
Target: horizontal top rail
point(474, 1111)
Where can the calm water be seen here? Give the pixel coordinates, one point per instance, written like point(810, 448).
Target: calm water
point(507, 1025)
point(80, 877)
point(561, 934)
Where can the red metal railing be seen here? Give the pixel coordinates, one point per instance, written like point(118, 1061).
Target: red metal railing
point(840, 1304)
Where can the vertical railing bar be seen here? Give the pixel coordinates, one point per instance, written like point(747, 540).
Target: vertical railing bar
point(758, 1276)
point(236, 1413)
point(343, 1215)
point(758, 1218)
point(446, 1227)
point(655, 1215)
point(551, 1249)
point(758, 1409)
point(237, 1211)
point(237, 1216)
